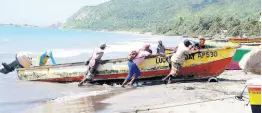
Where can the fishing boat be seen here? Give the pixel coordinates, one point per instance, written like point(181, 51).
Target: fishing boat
point(205, 64)
point(240, 52)
point(244, 40)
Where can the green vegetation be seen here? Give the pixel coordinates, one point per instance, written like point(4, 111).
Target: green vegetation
point(171, 17)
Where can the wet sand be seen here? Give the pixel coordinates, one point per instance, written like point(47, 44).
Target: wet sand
point(87, 102)
point(178, 97)
point(191, 97)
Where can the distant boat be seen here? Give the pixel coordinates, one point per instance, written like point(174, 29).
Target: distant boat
point(208, 63)
point(240, 52)
point(244, 40)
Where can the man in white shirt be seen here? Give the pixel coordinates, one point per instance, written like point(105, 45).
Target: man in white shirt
point(178, 58)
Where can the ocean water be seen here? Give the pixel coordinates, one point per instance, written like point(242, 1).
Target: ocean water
point(68, 46)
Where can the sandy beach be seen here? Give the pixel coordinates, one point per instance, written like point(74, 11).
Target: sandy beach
point(191, 97)
point(178, 97)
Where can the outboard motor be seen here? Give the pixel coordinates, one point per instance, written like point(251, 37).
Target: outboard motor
point(23, 60)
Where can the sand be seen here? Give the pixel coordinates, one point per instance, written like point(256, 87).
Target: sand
point(178, 97)
point(191, 97)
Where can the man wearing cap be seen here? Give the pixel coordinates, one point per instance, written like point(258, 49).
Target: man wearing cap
point(93, 64)
point(178, 58)
point(160, 48)
point(43, 58)
point(133, 68)
point(147, 48)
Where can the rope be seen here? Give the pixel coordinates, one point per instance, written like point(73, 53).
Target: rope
point(137, 110)
point(239, 97)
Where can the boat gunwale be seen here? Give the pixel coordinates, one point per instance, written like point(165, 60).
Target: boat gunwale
point(112, 60)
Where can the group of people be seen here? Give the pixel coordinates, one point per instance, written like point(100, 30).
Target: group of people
point(137, 57)
point(134, 59)
point(177, 59)
point(95, 60)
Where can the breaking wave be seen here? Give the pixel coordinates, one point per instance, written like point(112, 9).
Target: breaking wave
point(117, 47)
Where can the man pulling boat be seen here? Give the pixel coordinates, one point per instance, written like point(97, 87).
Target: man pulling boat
point(93, 64)
point(134, 59)
point(160, 48)
point(178, 58)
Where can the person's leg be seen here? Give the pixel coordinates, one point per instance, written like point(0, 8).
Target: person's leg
point(94, 68)
point(91, 72)
point(173, 72)
point(137, 74)
point(130, 73)
point(85, 77)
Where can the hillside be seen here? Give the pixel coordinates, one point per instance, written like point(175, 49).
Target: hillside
point(171, 17)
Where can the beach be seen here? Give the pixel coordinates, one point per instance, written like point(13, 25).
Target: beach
point(43, 97)
point(76, 47)
point(178, 97)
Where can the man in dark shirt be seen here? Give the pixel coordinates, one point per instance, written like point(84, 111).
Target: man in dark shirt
point(160, 48)
point(201, 44)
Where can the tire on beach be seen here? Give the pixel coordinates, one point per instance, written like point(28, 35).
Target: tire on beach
point(212, 79)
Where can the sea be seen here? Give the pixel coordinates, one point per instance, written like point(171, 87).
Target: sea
point(18, 96)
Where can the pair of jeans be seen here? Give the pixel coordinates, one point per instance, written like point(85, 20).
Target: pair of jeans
point(132, 69)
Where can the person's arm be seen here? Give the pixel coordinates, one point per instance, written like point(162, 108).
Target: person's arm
point(194, 50)
point(152, 56)
point(100, 54)
point(150, 51)
point(157, 50)
point(149, 55)
point(52, 59)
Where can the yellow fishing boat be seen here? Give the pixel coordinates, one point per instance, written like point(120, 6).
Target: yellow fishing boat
point(207, 63)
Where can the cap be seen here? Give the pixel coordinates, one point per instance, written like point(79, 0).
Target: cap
point(102, 45)
point(187, 42)
point(147, 46)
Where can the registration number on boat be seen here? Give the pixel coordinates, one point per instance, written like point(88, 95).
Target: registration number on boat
point(208, 54)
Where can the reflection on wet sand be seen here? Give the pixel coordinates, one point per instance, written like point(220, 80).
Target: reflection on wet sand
point(88, 104)
point(81, 105)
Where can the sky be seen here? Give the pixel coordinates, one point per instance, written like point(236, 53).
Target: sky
point(40, 12)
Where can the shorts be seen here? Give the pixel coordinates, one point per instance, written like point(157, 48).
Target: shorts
point(132, 69)
point(91, 71)
point(175, 68)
